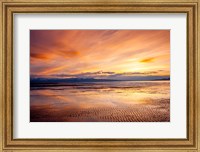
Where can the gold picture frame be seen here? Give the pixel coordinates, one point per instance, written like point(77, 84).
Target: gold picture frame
point(10, 7)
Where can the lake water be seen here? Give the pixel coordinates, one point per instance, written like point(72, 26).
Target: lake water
point(116, 101)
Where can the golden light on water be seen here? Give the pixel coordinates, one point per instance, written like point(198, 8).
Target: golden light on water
point(100, 76)
point(114, 101)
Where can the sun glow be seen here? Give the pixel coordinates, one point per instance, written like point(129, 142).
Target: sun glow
point(73, 52)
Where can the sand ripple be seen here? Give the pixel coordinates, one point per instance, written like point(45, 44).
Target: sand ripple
point(123, 113)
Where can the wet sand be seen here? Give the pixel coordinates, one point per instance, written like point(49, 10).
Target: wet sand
point(101, 102)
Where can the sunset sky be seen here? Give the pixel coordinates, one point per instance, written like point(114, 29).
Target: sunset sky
point(100, 54)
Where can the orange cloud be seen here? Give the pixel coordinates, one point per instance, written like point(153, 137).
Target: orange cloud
point(53, 70)
point(147, 60)
point(69, 54)
point(40, 56)
point(78, 51)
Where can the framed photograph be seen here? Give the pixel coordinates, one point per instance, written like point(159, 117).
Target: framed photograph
point(104, 75)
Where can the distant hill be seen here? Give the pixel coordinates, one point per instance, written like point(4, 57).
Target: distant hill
point(79, 80)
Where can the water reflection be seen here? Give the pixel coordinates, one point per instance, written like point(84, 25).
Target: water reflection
point(124, 101)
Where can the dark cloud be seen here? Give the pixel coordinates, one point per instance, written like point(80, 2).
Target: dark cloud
point(102, 75)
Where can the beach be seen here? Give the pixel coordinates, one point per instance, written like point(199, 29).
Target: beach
point(114, 101)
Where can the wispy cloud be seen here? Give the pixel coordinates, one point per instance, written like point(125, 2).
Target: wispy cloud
point(92, 52)
point(147, 60)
